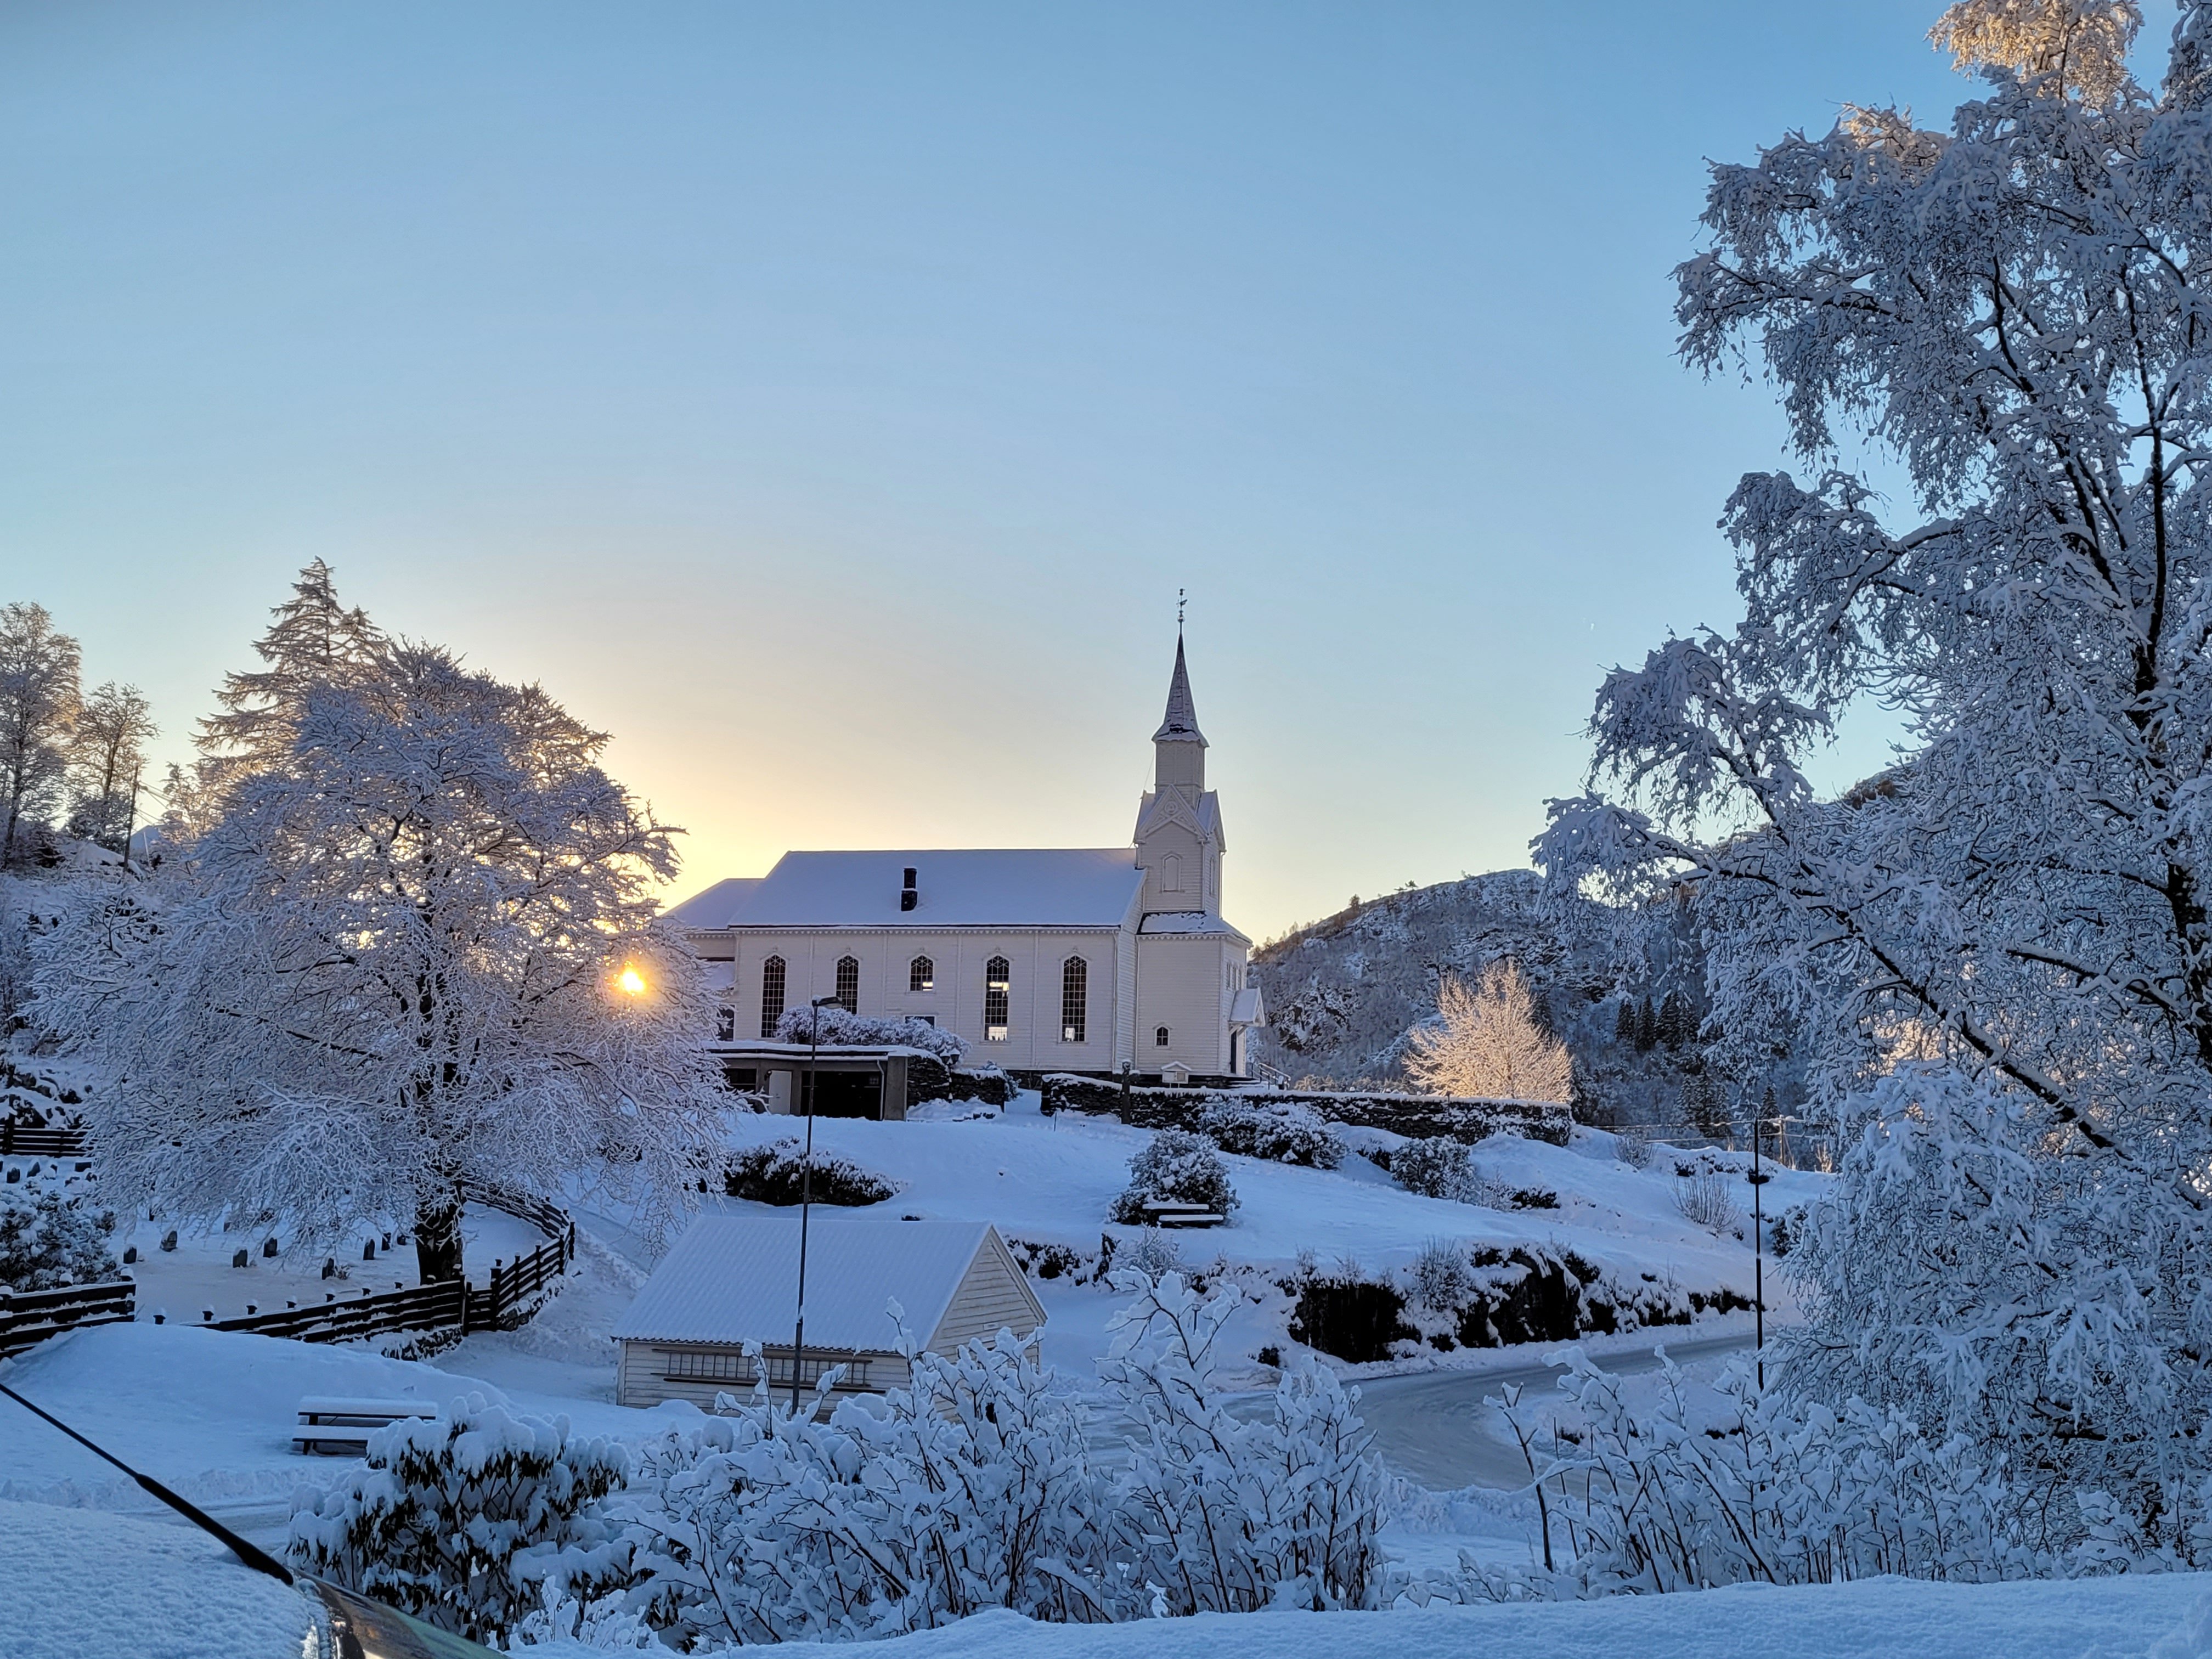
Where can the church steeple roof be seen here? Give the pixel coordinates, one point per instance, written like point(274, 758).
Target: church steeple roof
point(1180, 725)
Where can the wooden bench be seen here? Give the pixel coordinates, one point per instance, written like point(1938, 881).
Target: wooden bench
point(1163, 1212)
point(342, 1426)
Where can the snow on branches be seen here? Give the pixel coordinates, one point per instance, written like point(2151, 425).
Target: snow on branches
point(395, 961)
point(1487, 1044)
point(2011, 923)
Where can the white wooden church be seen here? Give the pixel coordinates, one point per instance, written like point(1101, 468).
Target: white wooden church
point(1081, 959)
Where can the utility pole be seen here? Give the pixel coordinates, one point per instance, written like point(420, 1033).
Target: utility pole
point(1759, 1179)
point(805, 1193)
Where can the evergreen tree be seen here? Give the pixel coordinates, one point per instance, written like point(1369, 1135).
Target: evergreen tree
point(1677, 1026)
point(1623, 1021)
point(1647, 1027)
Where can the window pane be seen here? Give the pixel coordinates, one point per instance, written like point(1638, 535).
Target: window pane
point(771, 995)
point(921, 976)
point(848, 984)
point(998, 983)
point(1074, 1001)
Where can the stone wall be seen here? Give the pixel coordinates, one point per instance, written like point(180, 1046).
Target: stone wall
point(1416, 1115)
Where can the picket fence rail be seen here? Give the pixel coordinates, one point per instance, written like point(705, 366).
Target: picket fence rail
point(504, 1301)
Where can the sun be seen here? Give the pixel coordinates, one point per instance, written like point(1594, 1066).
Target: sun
point(630, 982)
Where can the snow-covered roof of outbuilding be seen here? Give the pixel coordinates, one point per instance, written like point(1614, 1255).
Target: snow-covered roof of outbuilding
point(735, 1278)
point(1022, 887)
point(716, 906)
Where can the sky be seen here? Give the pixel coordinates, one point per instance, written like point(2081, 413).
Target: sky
point(829, 401)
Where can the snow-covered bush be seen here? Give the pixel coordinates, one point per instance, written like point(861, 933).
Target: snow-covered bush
point(860, 1030)
point(1155, 1255)
point(777, 1174)
point(1658, 1496)
point(1177, 1167)
point(971, 1488)
point(1283, 1132)
point(1436, 1166)
point(1222, 1516)
point(459, 1520)
point(50, 1238)
point(1705, 1201)
point(1441, 1278)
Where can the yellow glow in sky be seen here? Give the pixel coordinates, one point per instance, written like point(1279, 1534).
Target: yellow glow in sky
point(631, 983)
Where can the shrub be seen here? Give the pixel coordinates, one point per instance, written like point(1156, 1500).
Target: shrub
point(49, 1239)
point(837, 1026)
point(459, 1520)
point(1441, 1277)
point(1155, 1255)
point(1356, 1320)
point(1436, 1167)
point(1180, 1167)
point(1706, 1201)
point(776, 1174)
point(1282, 1133)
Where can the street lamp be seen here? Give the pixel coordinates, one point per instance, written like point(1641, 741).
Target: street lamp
point(1759, 1179)
point(806, 1189)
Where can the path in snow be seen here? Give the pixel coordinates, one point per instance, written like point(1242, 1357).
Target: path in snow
point(1433, 1427)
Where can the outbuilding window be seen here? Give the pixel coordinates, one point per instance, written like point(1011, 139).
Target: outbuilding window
point(1074, 1000)
point(848, 984)
point(921, 975)
point(771, 995)
point(1160, 1037)
point(998, 982)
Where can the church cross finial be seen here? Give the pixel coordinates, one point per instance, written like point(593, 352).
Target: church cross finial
point(1179, 605)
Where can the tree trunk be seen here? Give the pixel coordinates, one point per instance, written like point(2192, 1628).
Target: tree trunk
point(438, 1237)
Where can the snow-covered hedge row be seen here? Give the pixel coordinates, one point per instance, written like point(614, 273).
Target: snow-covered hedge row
point(777, 1173)
point(1150, 1108)
point(1282, 1132)
point(974, 1486)
point(859, 1031)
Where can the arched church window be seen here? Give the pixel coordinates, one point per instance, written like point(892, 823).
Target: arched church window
point(998, 983)
point(921, 975)
point(726, 1025)
point(1074, 1000)
point(1160, 1037)
point(1171, 874)
point(848, 984)
point(771, 995)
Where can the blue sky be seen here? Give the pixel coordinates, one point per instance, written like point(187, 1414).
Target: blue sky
point(828, 400)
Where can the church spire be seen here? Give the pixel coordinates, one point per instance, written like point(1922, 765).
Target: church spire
point(1180, 725)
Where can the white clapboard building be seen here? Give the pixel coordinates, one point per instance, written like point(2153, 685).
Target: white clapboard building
point(1077, 959)
point(734, 1280)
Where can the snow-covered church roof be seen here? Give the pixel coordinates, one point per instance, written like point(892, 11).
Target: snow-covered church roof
point(735, 1278)
point(1020, 887)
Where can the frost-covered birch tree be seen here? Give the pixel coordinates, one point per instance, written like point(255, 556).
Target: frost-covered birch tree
point(1487, 1043)
point(2007, 931)
point(38, 708)
point(396, 961)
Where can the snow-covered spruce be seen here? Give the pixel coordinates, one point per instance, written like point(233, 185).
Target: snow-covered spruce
point(390, 965)
point(1175, 1167)
point(1998, 953)
point(462, 1520)
point(50, 1238)
point(832, 1024)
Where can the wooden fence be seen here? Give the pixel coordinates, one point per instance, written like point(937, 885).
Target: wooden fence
point(38, 1140)
point(501, 1302)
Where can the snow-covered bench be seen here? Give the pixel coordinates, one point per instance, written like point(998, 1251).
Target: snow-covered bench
point(1161, 1212)
point(330, 1423)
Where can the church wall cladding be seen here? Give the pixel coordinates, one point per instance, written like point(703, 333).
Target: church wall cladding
point(1179, 985)
point(1418, 1116)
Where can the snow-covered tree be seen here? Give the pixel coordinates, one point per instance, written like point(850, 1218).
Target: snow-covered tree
point(38, 711)
point(2016, 311)
point(313, 643)
point(422, 949)
point(114, 724)
point(1489, 1045)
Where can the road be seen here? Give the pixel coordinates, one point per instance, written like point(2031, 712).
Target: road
point(1433, 1427)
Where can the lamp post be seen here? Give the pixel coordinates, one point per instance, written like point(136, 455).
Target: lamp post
point(806, 1190)
point(1759, 1179)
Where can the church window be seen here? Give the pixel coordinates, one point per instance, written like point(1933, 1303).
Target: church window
point(1074, 1000)
point(848, 984)
point(998, 981)
point(1160, 1037)
point(771, 995)
point(921, 975)
point(1171, 874)
point(726, 1025)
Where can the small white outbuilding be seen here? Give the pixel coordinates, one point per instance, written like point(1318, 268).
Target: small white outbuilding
point(734, 1280)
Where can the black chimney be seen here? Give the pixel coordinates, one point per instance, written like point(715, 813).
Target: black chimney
point(907, 896)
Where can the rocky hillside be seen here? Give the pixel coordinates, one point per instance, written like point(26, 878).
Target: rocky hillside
point(1342, 993)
